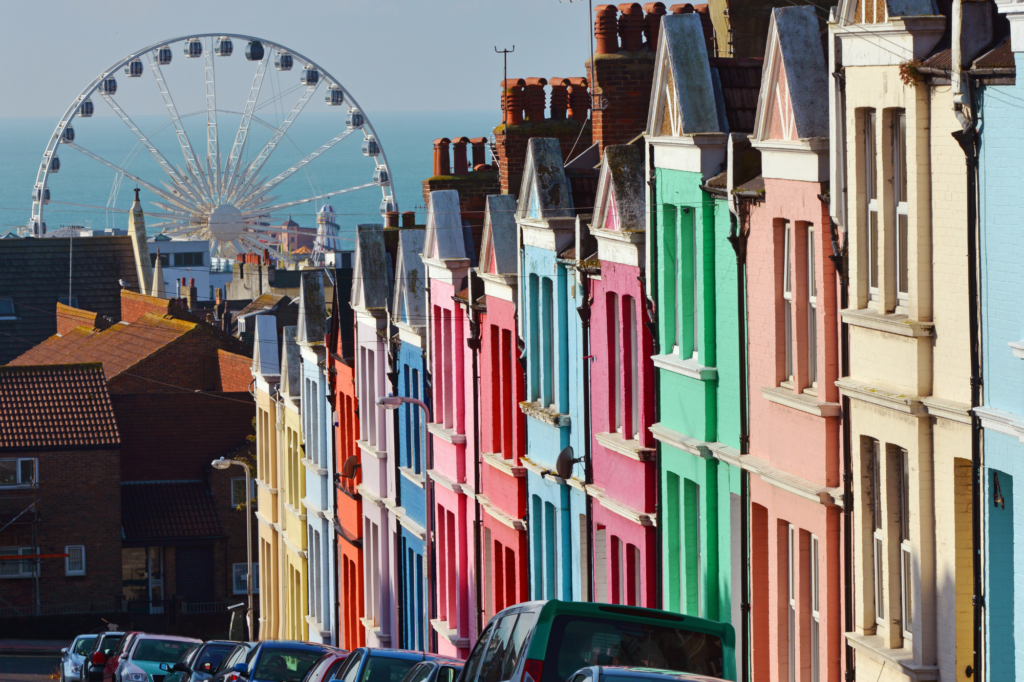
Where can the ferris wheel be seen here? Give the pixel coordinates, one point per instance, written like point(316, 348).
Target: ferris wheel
point(226, 196)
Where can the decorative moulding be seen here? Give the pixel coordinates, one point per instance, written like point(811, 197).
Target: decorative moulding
point(264, 486)
point(800, 401)
point(367, 495)
point(948, 409)
point(625, 511)
point(869, 393)
point(450, 634)
point(324, 634)
point(633, 449)
point(412, 476)
point(504, 465)
point(371, 450)
point(292, 546)
point(498, 515)
point(312, 466)
point(1005, 423)
point(446, 482)
point(901, 325)
point(677, 440)
point(413, 527)
point(899, 660)
point(688, 368)
point(447, 435)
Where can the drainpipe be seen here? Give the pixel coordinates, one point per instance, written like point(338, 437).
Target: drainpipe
point(652, 327)
point(399, 565)
point(968, 141)
point(738, 240)
point(430, 612)
point(588, 466)
point(474, 345)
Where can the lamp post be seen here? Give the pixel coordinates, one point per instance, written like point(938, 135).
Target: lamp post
point(223, 464)
point(393, 402)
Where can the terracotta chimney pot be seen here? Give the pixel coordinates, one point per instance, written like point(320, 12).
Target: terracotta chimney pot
point(391, 219)
point(652, 23)
point(579, 99)
point(605, 30)
point(559, 98)
point(479, 150)
point(442, 161)
point(685, 8)
point(535, 103)
point(631, 26)
point(482, 167)
point(512, 100)
point(408, 218)
point(459, 150)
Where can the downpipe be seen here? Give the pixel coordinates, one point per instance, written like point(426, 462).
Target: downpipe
point(652, 329)
point(474, 345)
point(588, 465)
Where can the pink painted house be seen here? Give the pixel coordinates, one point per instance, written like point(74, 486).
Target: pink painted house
point(622, 392)
point(448, 255)
point(502, 494)
point(794, 460)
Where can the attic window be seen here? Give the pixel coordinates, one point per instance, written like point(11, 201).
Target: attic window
point(7, 309)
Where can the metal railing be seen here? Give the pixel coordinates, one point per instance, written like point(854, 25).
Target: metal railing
point(204, 607)
point(59, 609)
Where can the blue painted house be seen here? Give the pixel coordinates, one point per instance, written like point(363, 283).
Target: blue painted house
point(552, 332)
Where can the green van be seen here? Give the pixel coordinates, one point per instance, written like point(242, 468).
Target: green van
point(548, 641)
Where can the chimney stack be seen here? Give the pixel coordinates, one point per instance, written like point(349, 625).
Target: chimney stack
point(459, 151)
point(193, 295)
point(479, 150)
point(409, 219)
point(442, 161)
point(391, 219)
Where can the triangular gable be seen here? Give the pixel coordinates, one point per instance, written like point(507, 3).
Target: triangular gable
point(682, 96)
point(498, 252)
point(793, 102)
point(290, 362)
point(312, 308)
point(266, 355)
point(620, 189)
point(443, 239)
point(545, 191)
point(410, 280)
point(370, 277)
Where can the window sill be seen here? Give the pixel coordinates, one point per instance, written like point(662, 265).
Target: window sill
point(318, 627)
point(688, 368)
point(412, 476)
point(447, 435)
point(266, 487)
point(445, 482)
point(891, 323)
point(297, 513)
point(631, 448)
point(367, 447)
point(1017, 348)
point(800, 401)
point(312, 466)
point(902, 660)
point(451, 634)
point(548, 415)
point(503, 465)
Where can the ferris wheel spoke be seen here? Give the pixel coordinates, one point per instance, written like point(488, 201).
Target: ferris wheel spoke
point(268, 149)
point(180, 203)
point(271, 184)
point(243, 127)
point(289, 204)
point(195, 171)
point(212, 143)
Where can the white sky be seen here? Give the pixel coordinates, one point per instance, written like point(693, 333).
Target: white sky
point(398, 55)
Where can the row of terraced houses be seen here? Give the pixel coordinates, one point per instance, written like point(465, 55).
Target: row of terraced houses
point(716, 347)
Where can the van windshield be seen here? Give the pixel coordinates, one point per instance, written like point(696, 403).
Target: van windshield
point(576, 642)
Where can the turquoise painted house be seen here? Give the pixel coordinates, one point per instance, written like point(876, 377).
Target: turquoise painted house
point(1002, 413)
point(552, 332)
point(694, 285)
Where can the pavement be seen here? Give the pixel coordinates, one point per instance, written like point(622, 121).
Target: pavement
point(32, 647)
point(37, 668)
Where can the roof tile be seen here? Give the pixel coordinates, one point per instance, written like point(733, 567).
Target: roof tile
point(162, 510)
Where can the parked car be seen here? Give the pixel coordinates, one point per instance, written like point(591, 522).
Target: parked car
point(326, 668)
point(434, 671)
point(548, 641)
point(96, 659)
point(279, 662)
point(72, 658)
point(142, 662)
point(614, 673)
point(198, 663)
point(114, 659)
point(384, 665)
point(242, 652)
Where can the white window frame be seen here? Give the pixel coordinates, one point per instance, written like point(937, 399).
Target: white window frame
point(878, 535)
point(791, 555)
point(906, 551)
point(684, 216)
point(68, 570)
point(615, 352)
point(787, 298)
point(815, 612)
point(812, 311)
point(19, 483)
point(695, 276)
point(20, 571)
point(901, 220)
point(634, 368)
point(871, 196)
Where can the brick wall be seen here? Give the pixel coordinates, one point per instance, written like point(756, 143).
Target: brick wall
point(234, 371)
point(69, 318)
point(622, 86)
point(473, 189)
point(134, 306)
point(511, 142)
point(233, 521)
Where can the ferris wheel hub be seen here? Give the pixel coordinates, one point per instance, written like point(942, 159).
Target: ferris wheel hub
point(226, 223)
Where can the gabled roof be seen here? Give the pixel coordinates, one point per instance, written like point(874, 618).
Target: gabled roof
point(445, 238)
point(499, 250)
point(370, 281)
point(873, 12)
point(264, 303)
point(410, 280)
point(312, 308)
point(620, 189)
point(682, 95)
point(165, 510)
point(290, 362)
point(793, 104)
point(545, 191)
point(266, 356)
point(56, 406)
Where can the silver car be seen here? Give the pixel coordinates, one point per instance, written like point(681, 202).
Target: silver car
point(73, 658)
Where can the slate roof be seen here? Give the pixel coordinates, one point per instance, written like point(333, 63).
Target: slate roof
point(740, 82)
point(545, 192)
point(168, 510)
point(622, 175)
point(34, 273)
point(56, 406)
point(265, 302)
point(410, 280)
point(371, 280)
point(500, 235)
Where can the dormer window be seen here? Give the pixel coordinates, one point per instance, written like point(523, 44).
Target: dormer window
point(7, 309)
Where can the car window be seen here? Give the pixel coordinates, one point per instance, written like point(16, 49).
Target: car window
point(381, 669)
point(110, 643)
point(317, 671)
point(446, 674)
point(579, 678)
point(84, 645)
point(333, 672)
point(119, 649)
point(190, 654)
point(236, 655)
point(497, 650)
point(282, 665)
point(418, 673)
point(160, 650)
point(576, 642)
point(520, 635)
point(472, 667)
point(351, 669)
point(210, 657)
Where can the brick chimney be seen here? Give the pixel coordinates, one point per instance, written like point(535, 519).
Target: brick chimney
point(479, 150)
point(459, 151)
point(193, 294)
point(442, 160)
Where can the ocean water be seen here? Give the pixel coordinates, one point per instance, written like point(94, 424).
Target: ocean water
point(82, 191)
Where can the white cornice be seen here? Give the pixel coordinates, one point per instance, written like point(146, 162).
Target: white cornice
point(800, 401)
point(805, 160)
point(505, 466)
point(500, 286)
point(615, 246)
point(633, 449)
point(625, 511)
point(445, 482)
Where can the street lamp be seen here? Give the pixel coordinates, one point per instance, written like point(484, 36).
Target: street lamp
point(393, 402)
point(223, 464)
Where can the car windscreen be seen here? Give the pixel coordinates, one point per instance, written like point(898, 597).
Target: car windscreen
point(381, 669)
point(84, 645)
point(160, 650)
point(109, 643)
point(282, 665)
point(210, 658)
point(577, 642)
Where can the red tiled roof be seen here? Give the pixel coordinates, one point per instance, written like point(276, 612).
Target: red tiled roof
point(161, 510)
point(1000, 57)
point(56, 406)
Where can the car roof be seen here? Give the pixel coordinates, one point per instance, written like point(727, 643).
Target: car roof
point(404, 654)
point(172, 638)
point(651, 674)
point(294, 645)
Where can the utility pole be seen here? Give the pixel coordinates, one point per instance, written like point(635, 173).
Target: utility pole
point(504, 97)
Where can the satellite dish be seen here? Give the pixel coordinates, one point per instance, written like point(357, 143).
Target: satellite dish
point(348, 469)
point(565, 462)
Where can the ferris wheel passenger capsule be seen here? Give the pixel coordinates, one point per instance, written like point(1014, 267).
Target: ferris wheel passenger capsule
point(283, 61)
point(309, 75)
point(354, 120)
point(370, 146)
point(108, 86)
point(223, 47)
point(85, 108)
point(41, 195)
point(54, 164)
point(68, 135)
point(193, 48)
point(380, 177)
point(163, 56)
point(254, 51)
point(387, 205)
point(133, 69)
point(335, 96)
